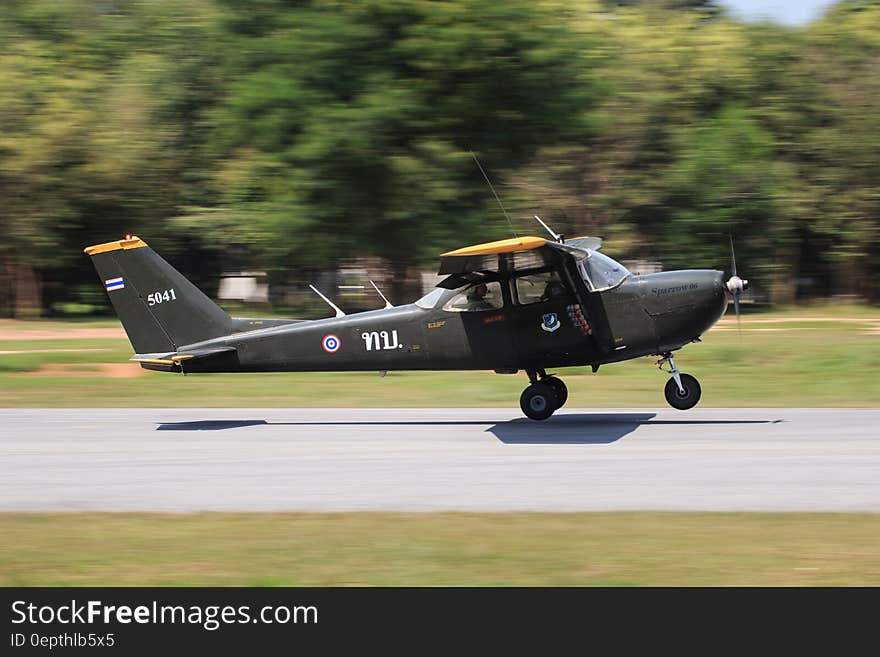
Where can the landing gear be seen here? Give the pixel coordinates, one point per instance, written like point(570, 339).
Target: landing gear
point(538, 401)
point(682, 390)
point(559, 388)
point(544, 396)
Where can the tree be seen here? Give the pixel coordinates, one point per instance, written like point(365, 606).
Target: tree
point(844, 54)
point(99, 112)
point(348, 127)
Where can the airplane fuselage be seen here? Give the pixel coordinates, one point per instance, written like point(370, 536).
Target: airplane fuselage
point(644, 315)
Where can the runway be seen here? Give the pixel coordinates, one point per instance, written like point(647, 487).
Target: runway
point(176, 460)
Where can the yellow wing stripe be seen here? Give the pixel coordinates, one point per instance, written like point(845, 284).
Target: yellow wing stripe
point(133, 242)
point(501, 246)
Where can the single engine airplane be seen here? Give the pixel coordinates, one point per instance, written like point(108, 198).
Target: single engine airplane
point(526, 303)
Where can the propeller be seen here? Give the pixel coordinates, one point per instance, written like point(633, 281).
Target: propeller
point(735, 284)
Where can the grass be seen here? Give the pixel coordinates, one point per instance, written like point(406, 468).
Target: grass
point(781, 359)
point(440, 549)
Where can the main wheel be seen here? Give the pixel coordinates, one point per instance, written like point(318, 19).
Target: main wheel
point(538, 401)
point(559, 388)
point(683, 400)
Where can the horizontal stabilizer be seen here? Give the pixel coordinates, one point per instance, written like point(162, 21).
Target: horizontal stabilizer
point(190, 360)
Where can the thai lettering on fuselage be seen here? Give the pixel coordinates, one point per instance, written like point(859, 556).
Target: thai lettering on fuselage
point(379, 340)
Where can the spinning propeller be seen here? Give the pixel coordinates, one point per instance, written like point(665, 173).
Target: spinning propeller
point(735, 284)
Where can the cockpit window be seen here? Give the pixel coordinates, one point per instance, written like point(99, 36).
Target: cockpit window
point(535, 288)
point(601, 272)
point(482, 296)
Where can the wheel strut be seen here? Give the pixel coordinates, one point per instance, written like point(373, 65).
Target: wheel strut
point(673, 370)
point(535, 375)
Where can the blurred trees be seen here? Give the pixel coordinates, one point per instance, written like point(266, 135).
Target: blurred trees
point(346, 127)
point(292, 136)
point(100, 104)
point(708, 126)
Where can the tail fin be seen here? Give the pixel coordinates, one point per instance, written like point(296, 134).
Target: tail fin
point(159, 309)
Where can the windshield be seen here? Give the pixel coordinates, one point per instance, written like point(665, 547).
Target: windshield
point(431, 299)
point(601, 272)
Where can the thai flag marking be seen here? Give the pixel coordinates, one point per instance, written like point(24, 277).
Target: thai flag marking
point(114, 284)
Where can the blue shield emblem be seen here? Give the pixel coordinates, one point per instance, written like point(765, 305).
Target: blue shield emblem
point(550, 322)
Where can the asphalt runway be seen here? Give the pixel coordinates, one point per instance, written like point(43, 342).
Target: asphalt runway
point(438, 459)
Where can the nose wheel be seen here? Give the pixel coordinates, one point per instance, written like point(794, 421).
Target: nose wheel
point(682, 391)
point(543, 397)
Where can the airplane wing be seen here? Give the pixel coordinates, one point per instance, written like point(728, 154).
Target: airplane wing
point(473, 263)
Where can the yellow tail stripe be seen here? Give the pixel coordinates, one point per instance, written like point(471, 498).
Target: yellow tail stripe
point(133, 242)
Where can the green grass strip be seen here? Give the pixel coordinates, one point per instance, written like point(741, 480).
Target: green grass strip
point(342, 549)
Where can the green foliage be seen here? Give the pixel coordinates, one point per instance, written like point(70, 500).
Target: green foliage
point(292, 136)
point(724, 182)
point(351, 123)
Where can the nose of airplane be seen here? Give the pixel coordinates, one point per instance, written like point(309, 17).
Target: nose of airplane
point(684, 304)
point(715, 295)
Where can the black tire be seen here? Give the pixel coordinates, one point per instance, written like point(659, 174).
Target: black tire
point(538, 401)
point(691, 394)
point(559, 388)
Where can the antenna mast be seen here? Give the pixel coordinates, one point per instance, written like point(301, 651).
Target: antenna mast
point(488, 182)
point(387, 303)
point(556, 236)
point(338, 310)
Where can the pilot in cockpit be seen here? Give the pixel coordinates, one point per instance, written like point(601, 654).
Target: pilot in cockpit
point(476, 298)
point(553, 290)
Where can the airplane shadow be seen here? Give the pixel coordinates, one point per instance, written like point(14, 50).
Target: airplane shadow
point(566, 429)
point(589, 429)
point(578, 429)
point(208, 425)
point(219, 425)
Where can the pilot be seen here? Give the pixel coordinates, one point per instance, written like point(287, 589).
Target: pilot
point(553, 290)
point(476, 298)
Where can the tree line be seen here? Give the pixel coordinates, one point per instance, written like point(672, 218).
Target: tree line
point(294, 136)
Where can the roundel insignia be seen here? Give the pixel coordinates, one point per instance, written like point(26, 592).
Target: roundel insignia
point(331, 344)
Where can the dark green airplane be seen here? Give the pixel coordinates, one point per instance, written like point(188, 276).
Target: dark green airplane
point(517, 304)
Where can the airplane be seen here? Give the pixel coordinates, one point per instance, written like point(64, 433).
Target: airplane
point(523, 303)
